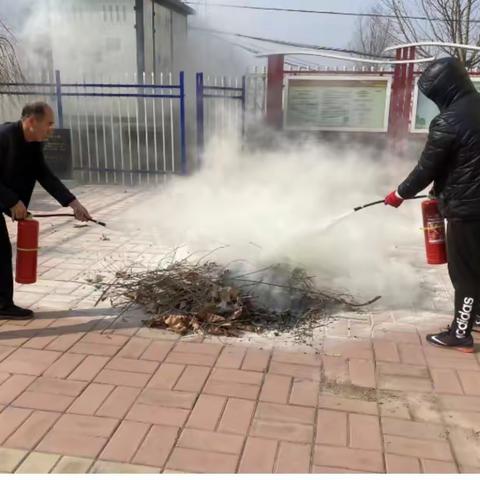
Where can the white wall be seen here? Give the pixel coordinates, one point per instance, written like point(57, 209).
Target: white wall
point(94, 38)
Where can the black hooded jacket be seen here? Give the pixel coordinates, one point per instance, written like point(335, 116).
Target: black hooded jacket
point(451, 157)
point(21, 165)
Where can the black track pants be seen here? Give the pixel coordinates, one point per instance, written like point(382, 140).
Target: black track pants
point(463, 250)
point(6, 274)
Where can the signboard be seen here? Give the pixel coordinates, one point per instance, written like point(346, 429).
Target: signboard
point(352, 104)
point(424, 110)
point(58, 153)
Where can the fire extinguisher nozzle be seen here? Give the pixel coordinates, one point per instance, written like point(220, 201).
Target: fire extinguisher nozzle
point(98, 222)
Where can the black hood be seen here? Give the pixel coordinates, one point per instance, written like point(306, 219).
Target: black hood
point(445, 81)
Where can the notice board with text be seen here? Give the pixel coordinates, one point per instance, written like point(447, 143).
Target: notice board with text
point(337, 103)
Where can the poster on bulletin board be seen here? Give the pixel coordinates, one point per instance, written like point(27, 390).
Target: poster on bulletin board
point(316, 103)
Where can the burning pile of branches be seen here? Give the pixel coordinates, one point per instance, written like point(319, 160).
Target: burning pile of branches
point(207, 298)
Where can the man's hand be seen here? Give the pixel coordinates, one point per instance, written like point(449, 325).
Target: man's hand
point(393, 199)
point(19, 211)
point(80, 212)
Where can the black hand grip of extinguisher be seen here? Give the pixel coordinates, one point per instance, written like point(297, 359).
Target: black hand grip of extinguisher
point(356, 209)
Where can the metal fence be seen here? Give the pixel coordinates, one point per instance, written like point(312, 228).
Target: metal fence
point(124, 132)
point(220, 108)
point(256, 93)
point(135, 131)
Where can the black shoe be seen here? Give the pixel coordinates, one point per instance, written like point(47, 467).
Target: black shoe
point(476, 324)
point(449, 340)
point(13, 312)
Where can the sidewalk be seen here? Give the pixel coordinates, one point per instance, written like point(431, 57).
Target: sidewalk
point(85, 390)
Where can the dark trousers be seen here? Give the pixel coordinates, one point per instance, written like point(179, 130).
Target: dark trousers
point(463, 250)
point(6, 274)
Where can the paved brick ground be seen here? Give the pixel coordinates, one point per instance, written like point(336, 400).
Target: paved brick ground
point(85, 390)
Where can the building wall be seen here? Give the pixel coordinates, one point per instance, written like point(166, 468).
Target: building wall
point(180, 32)
point(163, 39)
point(170, 39)
point(93, 38)
point(96, 39)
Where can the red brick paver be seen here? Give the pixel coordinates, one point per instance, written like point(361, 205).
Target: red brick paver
point(85, 388)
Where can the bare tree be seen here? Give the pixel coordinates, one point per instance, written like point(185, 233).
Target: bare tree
point(10, 70)
point(411, 21)
point(453, 21)
point(373, 34)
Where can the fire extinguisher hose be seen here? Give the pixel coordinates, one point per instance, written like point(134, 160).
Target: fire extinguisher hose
point(48, 215)
point(356, 209)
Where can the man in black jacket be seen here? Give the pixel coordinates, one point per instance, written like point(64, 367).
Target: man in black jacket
point(21, 165)
point(451, 159)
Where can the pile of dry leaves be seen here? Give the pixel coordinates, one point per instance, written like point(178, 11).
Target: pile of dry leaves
point(207, 298)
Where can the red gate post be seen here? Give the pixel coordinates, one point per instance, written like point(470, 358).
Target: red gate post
point(395, 102)
point(408, 97)
point(274, 114)
point(401, 100)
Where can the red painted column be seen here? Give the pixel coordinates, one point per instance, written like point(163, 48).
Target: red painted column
point(393, 119)
point(400, 101)
point(274, 114)
point(409, 86)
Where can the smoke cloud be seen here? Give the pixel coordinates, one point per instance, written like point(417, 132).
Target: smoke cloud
point(292, 204)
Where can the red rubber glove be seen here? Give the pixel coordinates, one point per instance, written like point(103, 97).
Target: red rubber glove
point(393, 199)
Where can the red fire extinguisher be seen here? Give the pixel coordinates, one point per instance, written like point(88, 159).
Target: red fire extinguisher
point(434, 230)
point(27, 251)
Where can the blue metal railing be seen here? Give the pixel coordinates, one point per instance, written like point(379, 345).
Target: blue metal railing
point(60, 91)
point(219, 92)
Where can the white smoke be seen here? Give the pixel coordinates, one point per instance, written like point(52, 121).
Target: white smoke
point(273, 206)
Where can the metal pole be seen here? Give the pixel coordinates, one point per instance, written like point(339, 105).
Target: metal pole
point(172, 134)
point(120, 131)
point(97, 157)
point(138, 132)
point(145, 115)
point(154, 112)
point(183, 142)
point(129, 134)
point(79, 130)
point(223, 105)
point(200, 119)
point(104, 131)
point(112, 129)
point(105, 162)
point(58, 90)
point(164, 146)
point(140, 37)
point(70, 123)
point(215, 102)
point(87, 129)
point(244, 95)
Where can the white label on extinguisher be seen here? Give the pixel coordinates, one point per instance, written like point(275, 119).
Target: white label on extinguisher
point(435, 231)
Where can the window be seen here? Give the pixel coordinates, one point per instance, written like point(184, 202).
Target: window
point(104, 8)
point(110, 8)
point(117, 10)
point(124, 8)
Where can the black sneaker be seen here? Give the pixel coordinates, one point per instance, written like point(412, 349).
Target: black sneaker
point(476, 324)
point(449, 340)
point(13, 312)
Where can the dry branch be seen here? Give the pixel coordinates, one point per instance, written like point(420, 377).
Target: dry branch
point(208, 298)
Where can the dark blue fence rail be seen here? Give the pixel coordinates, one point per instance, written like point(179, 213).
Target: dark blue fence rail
point(151, 119)
point(226, 99)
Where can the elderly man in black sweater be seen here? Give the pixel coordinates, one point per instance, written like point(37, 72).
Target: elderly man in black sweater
point(21, 165)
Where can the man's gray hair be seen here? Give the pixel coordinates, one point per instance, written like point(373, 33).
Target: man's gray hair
point(35, 109)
